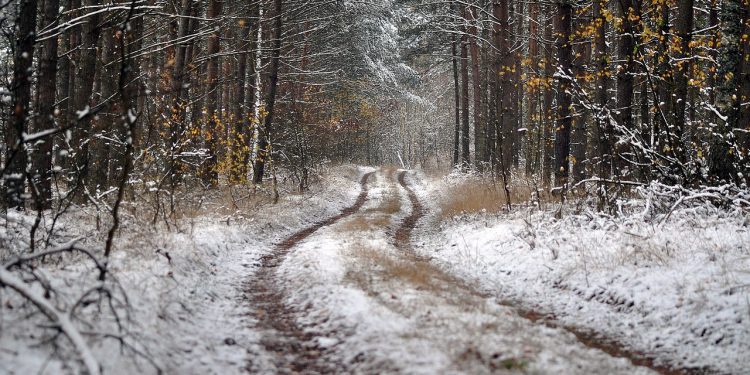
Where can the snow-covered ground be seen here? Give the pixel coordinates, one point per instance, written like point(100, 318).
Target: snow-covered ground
point(185, 285)
point(446, 300)
point(378, 308)
point(677, 288)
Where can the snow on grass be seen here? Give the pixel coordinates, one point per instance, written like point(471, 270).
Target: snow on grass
point(677, 290)
point(185, 285)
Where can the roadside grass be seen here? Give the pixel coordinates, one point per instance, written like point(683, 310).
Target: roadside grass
point(472, 197)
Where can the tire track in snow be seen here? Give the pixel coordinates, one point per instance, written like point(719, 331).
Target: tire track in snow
point(403, 233)
point(296, 349)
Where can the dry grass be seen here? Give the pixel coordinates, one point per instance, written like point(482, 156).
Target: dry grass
point(477, 195)
point(472, 197)
point(390, 205)
point(419, 274)
point(363, 224)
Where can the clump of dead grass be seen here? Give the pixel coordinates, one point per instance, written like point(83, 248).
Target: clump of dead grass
point(483, 194)
point(472, 197)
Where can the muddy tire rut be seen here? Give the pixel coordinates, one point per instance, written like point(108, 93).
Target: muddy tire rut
point(296, 350)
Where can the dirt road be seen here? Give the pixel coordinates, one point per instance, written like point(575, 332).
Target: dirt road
point(349, 295)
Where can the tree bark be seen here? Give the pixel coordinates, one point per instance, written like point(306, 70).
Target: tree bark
point(266, 134)
point(563, 25)
point(82, 103)
point(210, 175)
point(15, 148)
point(723, 156)
point(683, 31)
point(504, 100)
point(465, 157)
point(548, 122)
point(42, 157)
point(480, 141)
point(624, 114)
point(457, 105)
point(603, 126)
point(238, 171)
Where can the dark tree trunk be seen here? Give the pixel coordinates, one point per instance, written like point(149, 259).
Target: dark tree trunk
point(177, 122)
point(563, 26)
point(548, 121)
point(104, 123)
point(264, 149)
point(465, 158)
point(722, 158)
point(534, 132)
point(579, 140)
point(82, 103)
point(504, 99)
point(42, 157)
point(683, 31)
point(603, 126)
point(238, 171)
point(713, 22)
point(210, 175)
point(457, 105)
point(624, 112)
point(664, 86)
point(15, 148)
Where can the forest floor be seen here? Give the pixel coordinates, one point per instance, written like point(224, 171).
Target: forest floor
point(366, 274)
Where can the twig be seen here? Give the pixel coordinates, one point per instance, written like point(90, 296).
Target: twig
point(60, 318)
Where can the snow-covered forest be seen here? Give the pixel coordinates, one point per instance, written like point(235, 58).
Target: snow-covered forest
point(381, 186)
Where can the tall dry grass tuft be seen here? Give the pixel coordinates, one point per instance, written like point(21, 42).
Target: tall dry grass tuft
point(483, 194)
point(472, 197)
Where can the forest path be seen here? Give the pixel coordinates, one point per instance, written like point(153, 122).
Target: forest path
point(350, 295)
point(295, 349)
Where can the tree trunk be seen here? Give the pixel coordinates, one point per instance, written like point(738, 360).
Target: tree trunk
point(624, 113)
point(579, 141)
point(548, 122)
point(457, 105)
point(563, 26)
point(480, 141)
point(722, 158)
point(209, 174)
point(85, 75)
point(238, 166)
point(177, 122)
point(504, 100)
point(683, 31)
point(266, 134)
point(465, 157)
point(664, 86)
point(603, 126)
point(15, 148)
point(42, 157)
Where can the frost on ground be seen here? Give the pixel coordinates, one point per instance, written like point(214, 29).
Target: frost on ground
point(179, 291)
point(674, 286)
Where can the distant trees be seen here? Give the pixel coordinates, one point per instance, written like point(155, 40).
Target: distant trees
point(593, 93)
point(214, 91)
point(600, 93)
